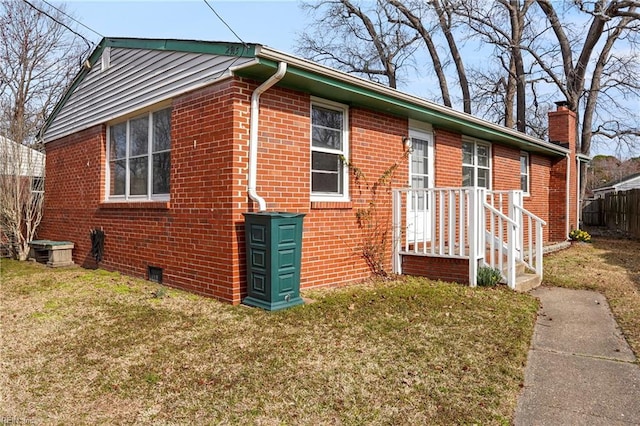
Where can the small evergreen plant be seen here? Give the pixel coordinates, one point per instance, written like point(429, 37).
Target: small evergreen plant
point(488, 276)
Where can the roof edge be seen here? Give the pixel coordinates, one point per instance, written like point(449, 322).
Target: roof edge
point(242, 50)
point(454, 115)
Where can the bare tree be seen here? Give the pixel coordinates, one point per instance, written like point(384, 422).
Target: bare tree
point(502, 24)
point(606, 169)
point(357, 40)
point(595, 75)
point(591, 67)
point(21, 195)
point(412, 19)
point(585, 51)
point(38, 57)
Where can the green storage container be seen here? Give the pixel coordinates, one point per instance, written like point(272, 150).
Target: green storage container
point(274, 253)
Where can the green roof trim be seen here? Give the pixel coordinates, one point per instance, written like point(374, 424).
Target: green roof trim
point(192, 46)
point(355, 95)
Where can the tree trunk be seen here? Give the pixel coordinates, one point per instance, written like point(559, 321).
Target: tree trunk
point(445, 26)
point(414, 22)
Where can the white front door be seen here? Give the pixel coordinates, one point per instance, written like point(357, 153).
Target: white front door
point(420, 176)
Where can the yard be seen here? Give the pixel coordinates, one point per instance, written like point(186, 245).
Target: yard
point(82, 346)
point(88, 347)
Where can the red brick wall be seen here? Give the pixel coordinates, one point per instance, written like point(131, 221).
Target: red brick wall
point(437, 268)
point(506, 176)
point(505, 171)
point(198, 237)
point(505, 168)
point(539, 180)
point(448, 159)
point(562, 129)
point(75, 181)
point(332, 239)
point(194, 238)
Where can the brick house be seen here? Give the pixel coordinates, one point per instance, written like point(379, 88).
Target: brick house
point(165, 144)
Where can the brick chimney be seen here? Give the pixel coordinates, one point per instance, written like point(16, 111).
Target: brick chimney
point(563, 210)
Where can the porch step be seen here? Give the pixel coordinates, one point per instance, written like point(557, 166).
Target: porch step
point(526, 282)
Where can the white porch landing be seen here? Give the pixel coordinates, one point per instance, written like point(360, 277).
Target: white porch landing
point(449, 233)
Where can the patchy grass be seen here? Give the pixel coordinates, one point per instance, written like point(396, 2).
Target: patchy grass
point(88, 347)
point(610, 266)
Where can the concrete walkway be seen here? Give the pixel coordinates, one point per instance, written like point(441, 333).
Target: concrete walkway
point(580, 370)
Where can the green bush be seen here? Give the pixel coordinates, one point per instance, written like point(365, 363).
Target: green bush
point(580, 235)
point(488, 277)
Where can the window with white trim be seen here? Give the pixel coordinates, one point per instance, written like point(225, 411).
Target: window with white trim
point(329, 146)
point(524, 172)
point(139, 157)
point(476, 164)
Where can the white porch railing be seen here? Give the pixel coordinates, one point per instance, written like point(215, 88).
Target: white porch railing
point(529, 243)
point(490, 228)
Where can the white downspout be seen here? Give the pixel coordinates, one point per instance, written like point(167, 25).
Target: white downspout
point(568, 215)
point(578, 191)
point(253, 134)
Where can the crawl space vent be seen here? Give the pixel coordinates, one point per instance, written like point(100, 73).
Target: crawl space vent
point(155, 274)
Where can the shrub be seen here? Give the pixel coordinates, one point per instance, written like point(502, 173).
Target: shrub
point(580, 235)
point(488, 277)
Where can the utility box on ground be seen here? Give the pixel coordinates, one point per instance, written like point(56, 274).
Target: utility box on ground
point(274, 253)
point(53, 253)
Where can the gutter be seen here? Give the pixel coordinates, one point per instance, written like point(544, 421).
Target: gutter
point(431, 107)
point(253, 134)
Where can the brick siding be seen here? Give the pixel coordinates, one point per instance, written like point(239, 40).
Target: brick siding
point(198, 236)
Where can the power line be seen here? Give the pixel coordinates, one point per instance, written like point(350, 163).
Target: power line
point(73, 19)
point(227, 25)
point(89, 44)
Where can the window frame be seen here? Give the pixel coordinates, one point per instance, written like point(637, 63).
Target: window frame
point(475, 166)
point(37, 185)
point(150, 152)
point(524, 154)
point(344, 152)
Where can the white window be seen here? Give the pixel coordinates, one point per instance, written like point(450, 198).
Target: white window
point(524, 172)
point(329, 146)
point(476, 164)
point(139, 157)
point(37, 185)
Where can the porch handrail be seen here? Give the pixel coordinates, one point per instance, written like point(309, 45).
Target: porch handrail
point(500, 214)
point(508, 272)
point(532, 256)
point(487, 228)
point(531, 215)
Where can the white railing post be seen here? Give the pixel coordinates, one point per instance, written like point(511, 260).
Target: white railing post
point(515, 199)
point(397, 231)
point(539, 256)
point(511, 258)
point(481, 224)
point(475, 219)
point(475, 207)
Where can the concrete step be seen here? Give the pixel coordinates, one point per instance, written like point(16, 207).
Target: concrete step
point(520, 269)
point(526, 282)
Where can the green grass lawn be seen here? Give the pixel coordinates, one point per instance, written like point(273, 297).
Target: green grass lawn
point(93, 347)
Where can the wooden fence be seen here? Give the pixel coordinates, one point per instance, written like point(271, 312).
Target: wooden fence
point(618, 211)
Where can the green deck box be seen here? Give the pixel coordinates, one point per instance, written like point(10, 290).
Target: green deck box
point(274, 253)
